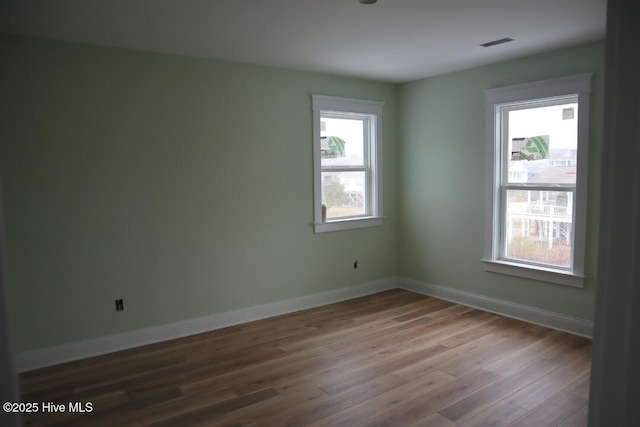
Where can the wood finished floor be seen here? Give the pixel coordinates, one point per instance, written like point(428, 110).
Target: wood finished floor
point(391, 359)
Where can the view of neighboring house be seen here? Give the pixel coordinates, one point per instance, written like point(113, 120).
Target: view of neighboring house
point(542, 216)
point(341, 147)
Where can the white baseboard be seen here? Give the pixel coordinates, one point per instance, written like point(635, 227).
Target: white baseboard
point(97, 346)
point(94, 347)
point(537, 316)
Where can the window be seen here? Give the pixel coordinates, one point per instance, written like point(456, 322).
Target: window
point(537, 136)
point(347, 158)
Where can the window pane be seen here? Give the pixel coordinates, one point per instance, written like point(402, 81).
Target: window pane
point(343, 193)
point(538, 227)
point(342, 141)
point(543, 144)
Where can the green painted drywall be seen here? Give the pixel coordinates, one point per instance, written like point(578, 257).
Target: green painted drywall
point(182, 185)
point(441, 179)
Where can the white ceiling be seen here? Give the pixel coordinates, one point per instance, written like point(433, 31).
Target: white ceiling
point(392, 41)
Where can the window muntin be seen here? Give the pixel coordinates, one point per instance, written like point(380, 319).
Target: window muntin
point(542, 137)
point(344, 140)
point(536, 200)
point(538, 227)
point(347, 163)
point(539, 157)
point(344, 194)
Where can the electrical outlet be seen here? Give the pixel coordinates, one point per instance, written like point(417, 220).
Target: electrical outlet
point(355, 264)
point(119, 305)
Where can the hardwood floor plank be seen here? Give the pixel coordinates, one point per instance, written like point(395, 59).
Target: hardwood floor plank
point(78, 376)
point(454, 309)
point(307, 412)
point(342, 370)
point(262, 340)
point(515, 338)
point(549, 384)
point(416, 409)
point(373, 338)
point(552, 411)
point(516, 359)
point(567, 347)
point(434, 420)
point(273, 412)
point(580, 387)
point(394, 358)
point(497, 415)
point(126, 413)
point(449, 358)
point(424, 310)
point(206, 414)
point(505, 386)
point(355, 414)
point(180, 374)
point(444, 329)
point(345, 380)
point(435, 329)
point(359, 307)
point(579, 419)
point(255, 378)
point(107, 403)
point(483, 325)
point(143, 415)
point(327, 338)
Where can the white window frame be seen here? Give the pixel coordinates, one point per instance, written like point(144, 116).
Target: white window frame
point(498, 100)
point(345, 107)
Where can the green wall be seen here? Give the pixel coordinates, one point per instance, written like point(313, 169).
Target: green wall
point(441, 179)
point(182, 185)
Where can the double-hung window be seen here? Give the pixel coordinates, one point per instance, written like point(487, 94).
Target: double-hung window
point(347, 159)
point(537, 137)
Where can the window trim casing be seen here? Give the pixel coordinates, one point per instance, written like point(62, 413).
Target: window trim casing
point(339, 105)
point(579, 85)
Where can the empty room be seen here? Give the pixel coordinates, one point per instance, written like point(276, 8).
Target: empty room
point(292, 213)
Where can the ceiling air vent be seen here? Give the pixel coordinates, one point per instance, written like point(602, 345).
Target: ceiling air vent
point(495, 42)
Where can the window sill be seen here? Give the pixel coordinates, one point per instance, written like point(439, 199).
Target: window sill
point(348, 224)
point(550, 275)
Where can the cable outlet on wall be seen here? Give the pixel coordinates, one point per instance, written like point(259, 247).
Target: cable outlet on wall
point(119, 305)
